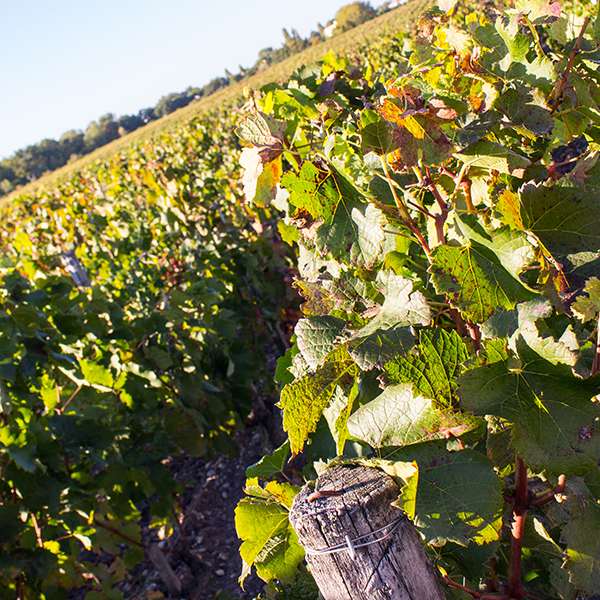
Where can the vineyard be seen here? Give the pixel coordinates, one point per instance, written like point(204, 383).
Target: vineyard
point(434, 200)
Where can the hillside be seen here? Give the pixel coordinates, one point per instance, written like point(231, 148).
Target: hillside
point(364, 34)
point(391, 260)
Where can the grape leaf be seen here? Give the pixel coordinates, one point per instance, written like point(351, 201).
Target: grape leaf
point(336, 414)
point(582, 536)
point(271, 464)
point(317, 191)
point(565, 217)
point(354, 235)
point(477, 128)
point(349, 292)
point(398, 418)
point(494, 157)
point(512, 248)
point(551, 410)
point(434, 369)
point(539, 11)
point(380, 346)
point(523, 323)
point(263, 131)
point(261, 176)
point(420, 139)
point(97, 375)
point(388, 334)
point(318, 301)
point(509, 206)
point(418, 135)
point(473, 561)
point(304, 400)
point(317, 337)
point(523, 114)
point(376, 133)
point(268, 540)
point(554, 351)
point(458, 495)
point(402, 305)
point(475, 281)
point(586, 308)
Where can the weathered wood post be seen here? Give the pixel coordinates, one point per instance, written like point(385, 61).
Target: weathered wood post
point(358, 546)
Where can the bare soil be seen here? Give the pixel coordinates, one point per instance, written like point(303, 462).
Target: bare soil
point(204, 551)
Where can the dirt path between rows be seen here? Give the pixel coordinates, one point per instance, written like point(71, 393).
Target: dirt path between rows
point(204, 552)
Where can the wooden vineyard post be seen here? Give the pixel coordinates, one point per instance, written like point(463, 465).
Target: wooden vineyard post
point(358, 546)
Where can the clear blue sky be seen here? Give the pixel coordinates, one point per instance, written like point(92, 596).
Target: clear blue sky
point(64, 63)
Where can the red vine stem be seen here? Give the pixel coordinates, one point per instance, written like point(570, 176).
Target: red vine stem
point(562, 83)
point(440, 219)
point(117, 532)
point(474, 593)
point(404, 214)
point(38, 532)
point(515, 591)
point(62, 410)
point(181, 530)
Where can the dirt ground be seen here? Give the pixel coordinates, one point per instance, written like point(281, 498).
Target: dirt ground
point(204, 552)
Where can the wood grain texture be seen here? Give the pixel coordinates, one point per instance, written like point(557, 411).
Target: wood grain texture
point(396, 568)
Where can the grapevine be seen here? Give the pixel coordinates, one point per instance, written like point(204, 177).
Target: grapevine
point(100, 385)
point(449, 247)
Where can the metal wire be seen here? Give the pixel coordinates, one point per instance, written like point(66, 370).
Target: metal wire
point(350, 546)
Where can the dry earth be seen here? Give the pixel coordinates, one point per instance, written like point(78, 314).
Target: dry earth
point(204, 552)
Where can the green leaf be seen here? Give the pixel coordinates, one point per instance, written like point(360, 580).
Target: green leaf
point(376, 133)
point(476, 129)
point(316, 337)
point(522, 114)
point(588, 308)
point(336, 414)
point(582, 536)
point(517, 43)
point(351, 293)
point(6, 405)
point(551, 410)
point(354, 235)
point(271, 464)
point(513, 249)
point(262, 130)
point(379, 347)
point(283, 492)
point(398, 418)
point(159, 357)
point(316, 191)
point(304, 400)
point(472, 561)
point(474, 281)
point(388, 334)
point(434, 369)
point(24, 457)
point(494, 157)
point(458, 495)
point(565, 217)
point(268, 540)
point(11, 524)
point(402, 305)
point(96, 374)
point(554, 351)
